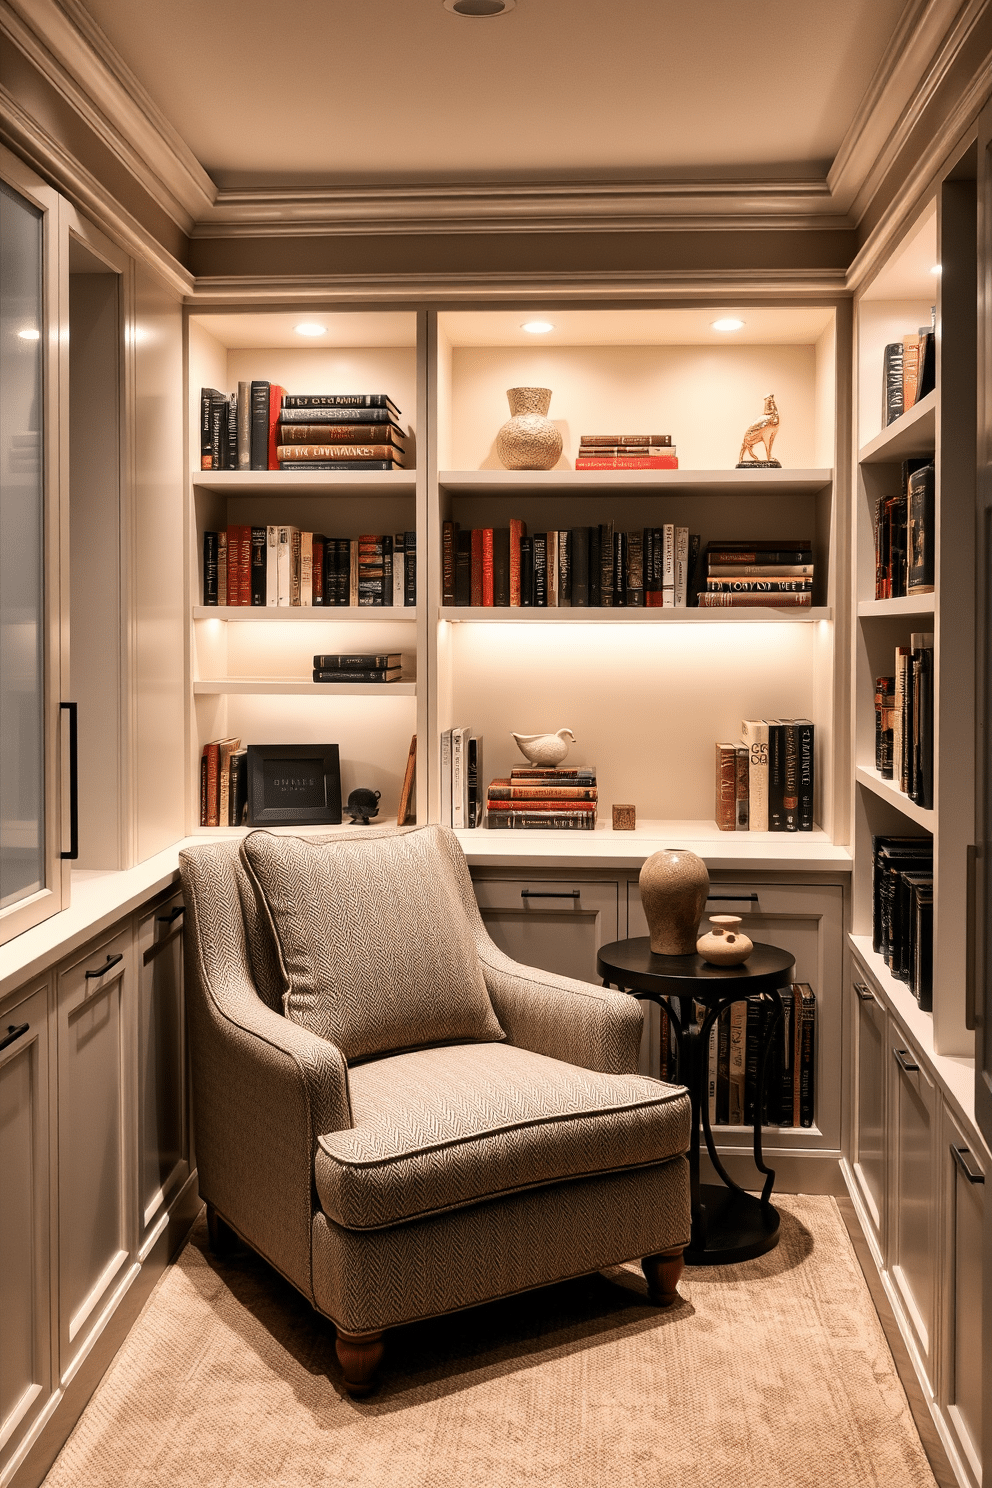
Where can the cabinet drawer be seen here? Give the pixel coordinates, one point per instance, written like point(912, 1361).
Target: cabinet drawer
point(556, 924)
point(912, 1192)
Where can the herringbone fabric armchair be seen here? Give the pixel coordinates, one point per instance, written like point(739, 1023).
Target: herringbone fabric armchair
point(398, 1117)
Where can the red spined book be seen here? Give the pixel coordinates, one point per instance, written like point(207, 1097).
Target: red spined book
point(211, 753)
point(244, 566)
point(276, 395)
point(234, 566)
point(318, 568)
point(647, 462)
point(518, 530)
point(487, 567)
point(476, 595)
point(555, 805)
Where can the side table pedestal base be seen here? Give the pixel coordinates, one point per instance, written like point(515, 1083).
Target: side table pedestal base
point(738, 1227)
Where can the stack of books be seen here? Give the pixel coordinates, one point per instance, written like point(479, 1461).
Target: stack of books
point(532, 797)
point(461, 778)
point(904, 720)
point(736, 1043)
point(772, 571)
point(581, 567)
point(765, 783)
point(223, 784)
point(626, 452)
point(262, 427)
point(902, 911)
point(362, 667)
point(909, 370)
point(904, 534)
point(282, 565)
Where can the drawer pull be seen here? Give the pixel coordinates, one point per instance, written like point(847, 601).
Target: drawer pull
point(731, 899)
point(865, 994)
point(546, 894)
point(102, 970)
point(905, 1061)
point(14, 1031)
point(959, 1154)
point(173, 915)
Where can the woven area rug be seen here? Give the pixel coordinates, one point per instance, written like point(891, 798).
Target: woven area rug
point(773, 1372)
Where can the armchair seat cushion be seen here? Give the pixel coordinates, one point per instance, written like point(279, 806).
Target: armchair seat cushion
point(439, 1129)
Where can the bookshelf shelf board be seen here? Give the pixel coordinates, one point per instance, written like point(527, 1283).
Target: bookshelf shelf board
point(890, 792)
point(333, 615)
point(913, 433)
point(648, 482)
point(604, 848)
point(517, 615)
point(290, 687)
point(313, 482)
point(911, 604)
point(955, 1072)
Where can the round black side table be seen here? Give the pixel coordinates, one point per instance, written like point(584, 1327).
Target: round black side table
point(728, 1224)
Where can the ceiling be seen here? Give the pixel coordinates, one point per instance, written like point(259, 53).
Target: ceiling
point(316, 93)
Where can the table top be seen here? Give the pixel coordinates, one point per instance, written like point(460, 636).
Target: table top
point(633, 965)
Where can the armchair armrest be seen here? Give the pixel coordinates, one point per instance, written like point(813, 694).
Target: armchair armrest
point(560, 1017)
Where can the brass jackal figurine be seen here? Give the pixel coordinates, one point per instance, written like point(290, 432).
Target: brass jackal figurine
point(762, 432)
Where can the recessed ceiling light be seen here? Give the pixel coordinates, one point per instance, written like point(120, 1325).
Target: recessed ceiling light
point(310, 328)
point(29, 335)
point(935, 269)
point(479, 9)
point(537, 327)
point(727, 324)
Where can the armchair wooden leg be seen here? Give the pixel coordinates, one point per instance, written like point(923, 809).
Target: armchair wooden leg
point(360, 1355)
point(662, 1274)
point(223, 1241)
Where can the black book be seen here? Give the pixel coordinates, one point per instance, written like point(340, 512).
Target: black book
point(332, 581)
point(806, 1072)
point(208, 397)
point(237, 798)
point(218, 433)
point(357, 661)
point(920, 719)
point(231, 442)
point(807, 776)
point(386, 582)
point(370, 674)
point(260, 426)
point(695, 569)
point(595, 567)
point(619, 570)
point(756, 1005)
point(580, 568)
point(295, 413)
point(258, 564)
point(540, 541)
point(776, 776)
point(635, 570)
point(337, 401)
point(210, 568)
point(921, 942)
point(648, 538)
point(928, 363)
point(772, 1043)
point(881, 548)
point(786, 1071)
point(607, 559)
point(891, 382)
point(564, 569)
point(476, 802)
point(410, 570)
point(463, 569)
point(921, 531)
point(527, 572)
point(501, 567)
point(895, 512)
point(790, 784)
point(889, 855)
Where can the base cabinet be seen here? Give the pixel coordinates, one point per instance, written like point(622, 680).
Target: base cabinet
point(964, 1169)
point(870, 1124)
point(912, 1226)
point(163, 1130)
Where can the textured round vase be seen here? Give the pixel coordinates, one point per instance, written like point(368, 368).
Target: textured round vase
point(529, 440)
point(726, 944)
point(674, 884)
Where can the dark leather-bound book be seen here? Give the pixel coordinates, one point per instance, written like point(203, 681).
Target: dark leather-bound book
point(892, 403)
point(463, 570)
point(607, 559)
point(260, 425)
point(258, 561)
point(776, 775)
point(564, 569)
point(595, 567)
point(338, 401)
point(292, 413)
point(208, 397)
point(920, 537)
point(527, 572)
point(580, 567)
point(449, 549)
point(410, 570)
point(501, 567)
point(210, 568)
point(540, 557)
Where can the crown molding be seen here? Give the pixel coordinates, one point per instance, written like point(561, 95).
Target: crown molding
point(25, 136)
point(68, 48)
point(704, 284)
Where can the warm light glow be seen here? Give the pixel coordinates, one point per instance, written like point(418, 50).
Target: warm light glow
point(936, 269)
point(310, 328)
point(727, 324)
point(29, 335)
point(537, 327)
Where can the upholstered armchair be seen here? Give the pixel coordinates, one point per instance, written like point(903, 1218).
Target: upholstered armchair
point(403, 1121)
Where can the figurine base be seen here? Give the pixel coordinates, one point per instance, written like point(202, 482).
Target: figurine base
point(759, 465)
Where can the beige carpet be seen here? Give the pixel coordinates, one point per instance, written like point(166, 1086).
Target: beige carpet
point(771, 1374)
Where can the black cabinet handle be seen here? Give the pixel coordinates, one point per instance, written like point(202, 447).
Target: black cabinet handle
point(905, 1061)
point(110, 961)
point(542, 894)
point(731, 898)
point(168, 919)
point(73, 852)
point(973, 1175)
point(14, 1031)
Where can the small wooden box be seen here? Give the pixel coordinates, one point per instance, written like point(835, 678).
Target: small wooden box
point(624, 818)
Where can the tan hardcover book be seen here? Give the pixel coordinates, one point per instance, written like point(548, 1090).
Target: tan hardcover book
point(222, 568)
point(284, 554)
point(726, 787)
point(288, 453)
point(618, 439)
point(754, 734)
point(226, 748)
point(306, 569)
point(738, 1033)
point(910, 370)
point(407, 808)
point(900, 761)
point(342, 434)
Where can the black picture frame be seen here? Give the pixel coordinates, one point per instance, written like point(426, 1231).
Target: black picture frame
point(294, 785)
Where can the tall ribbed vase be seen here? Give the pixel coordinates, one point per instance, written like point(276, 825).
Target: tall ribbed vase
point(674, 884)
point(529, 440)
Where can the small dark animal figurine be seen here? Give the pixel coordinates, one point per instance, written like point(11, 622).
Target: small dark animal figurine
point(362, 805)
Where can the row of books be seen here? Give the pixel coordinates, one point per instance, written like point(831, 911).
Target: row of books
point(747, 573)
point(384, 666)
point(582, 567)
point(904, 720)
point(626, 452)
point(282, 565)
point(765, 783)
point(532, 797)
point(909, 371)
point(902, 911)
point(737, 1041)
point(223, 784)
point(461, 778)
point(905, 531)
point(262, 427)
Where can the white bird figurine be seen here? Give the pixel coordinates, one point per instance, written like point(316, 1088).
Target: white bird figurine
point(544, 749)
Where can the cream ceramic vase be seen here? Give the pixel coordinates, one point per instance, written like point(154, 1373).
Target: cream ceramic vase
point(726, 944)
point(674, 884)
point(529, 440)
